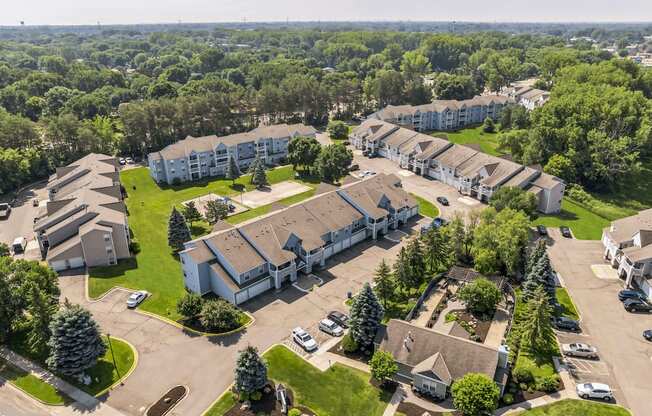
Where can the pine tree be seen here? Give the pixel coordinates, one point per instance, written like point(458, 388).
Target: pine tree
point(252, 168)
point(41, 311)
point(437, 250)
point(540, 275)
point(191, 213)
point(259, 177)
point(537, 329)
point(535, 255)
point(250, 371)
point(402, 274)
point(232, 170)
point(178, 231)
point(384, 282)
point(216, 211)
point(366, 315)
point(415, 261)
point(75, 344)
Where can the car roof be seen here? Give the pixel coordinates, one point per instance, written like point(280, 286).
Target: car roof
point(337, 313)
point(298, 330)
point(327, 322)
point(599, 386)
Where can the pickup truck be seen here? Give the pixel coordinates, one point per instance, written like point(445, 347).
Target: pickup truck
point(5, 209)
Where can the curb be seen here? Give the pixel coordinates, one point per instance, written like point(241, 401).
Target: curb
point(176, 404)
point(31, 396)
point(210, 406)
point(128, 373)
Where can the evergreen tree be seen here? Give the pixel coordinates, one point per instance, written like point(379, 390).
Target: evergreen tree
point(537, 332)
point(489, 126)
point(402, 273)
point(540, 275)
point(415, 261)
point(191, 213)
point(250, 371)
point(259, 178)
point(41, 311)
point(252, 168)
point(366, 315)
point(178, 231)
point(437, 250)
point(384, 282)
point(232, 170)
point(216, 211)
point(75, 344)
point(535, 255)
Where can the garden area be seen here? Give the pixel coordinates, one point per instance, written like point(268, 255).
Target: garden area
point(156, 268)
point(338, 391)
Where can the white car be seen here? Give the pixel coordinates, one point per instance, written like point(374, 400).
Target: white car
point(331, 328)
point(579, 350)
point(129, 160)
point(594, 391)
point(304, 339)
point(122, 161)
point(136, 298)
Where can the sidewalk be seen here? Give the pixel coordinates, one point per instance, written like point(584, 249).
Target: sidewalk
point(84, 402)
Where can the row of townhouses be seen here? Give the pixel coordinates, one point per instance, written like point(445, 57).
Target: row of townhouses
point(523, 93)
point(239, 263)
point(84, 221)
point(471, 172)
point(444, 114)
point(628, 247)
point(195, 158)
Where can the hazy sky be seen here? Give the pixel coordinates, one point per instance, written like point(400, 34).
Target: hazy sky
point(35, 12)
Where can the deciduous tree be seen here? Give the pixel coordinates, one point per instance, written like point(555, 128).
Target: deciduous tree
point(475, 394)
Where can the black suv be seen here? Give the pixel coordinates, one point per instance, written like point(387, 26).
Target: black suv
point(623, 295)
point(565, 231)
point(567, 324)
point(443, 200)
point(637, 305)
point(647, 334)
point(542, 230)
point(339, 318)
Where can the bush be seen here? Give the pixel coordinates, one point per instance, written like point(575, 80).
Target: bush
point(548, 384)
point(190, 305)
point(522, 375)
point(219, 315)
point(294, 412)
point(508, 399)
point(255, 396)
point(134, 247)
point(349, 344)
point(176, 181)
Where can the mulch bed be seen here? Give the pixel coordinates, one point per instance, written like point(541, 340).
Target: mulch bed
point(411, 409)
point(267, 405)
point(167, 402)
point(481, 327)
point(358, 355)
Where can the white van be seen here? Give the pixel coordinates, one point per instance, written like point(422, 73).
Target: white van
point(19, 244)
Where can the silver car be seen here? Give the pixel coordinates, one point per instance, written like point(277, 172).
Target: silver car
point(136, 298)
point(594, 391)
point(579, 350)
point(331, 328)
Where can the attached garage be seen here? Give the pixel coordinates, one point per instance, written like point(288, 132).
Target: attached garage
point(253, 290)
point(644, 284)
point(72, 263)
point(328, 251)
point(359, 236)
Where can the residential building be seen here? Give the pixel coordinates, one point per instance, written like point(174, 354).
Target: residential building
point(195, 158)
point(628, 247)
point(444, 114)
point(84, 222)
point(524, 93)
point(432, 361)
point(239, 263)
point(470, 171)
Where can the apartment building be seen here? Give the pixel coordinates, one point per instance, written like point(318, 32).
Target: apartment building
point(444, 114)
point(195, 158)
point(628, 247)
point(524, 93)
point(239, 263)
point(470, 171)
point(84, 222)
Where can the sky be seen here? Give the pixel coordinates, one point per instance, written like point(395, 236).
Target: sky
point(76, 12)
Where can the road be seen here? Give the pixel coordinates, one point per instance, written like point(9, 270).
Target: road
point(625, 357)
point(13, 402)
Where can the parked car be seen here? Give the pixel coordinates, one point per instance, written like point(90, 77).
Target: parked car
point(623, 295)
point(637, 305)
point(339, 318)
point(542, 230)
point(565, 231)
point(137, 298)
point(365, 152)
point(443, 200)
point(35, 202)
point(129, 160)
point(122, 161)
point(331, 328)
point(579, 350)
point(353, 167)
point(566, 324)
point(304, 339)
point(5, 209)
point(594, 391)
point(19, 244)
point(647, 334)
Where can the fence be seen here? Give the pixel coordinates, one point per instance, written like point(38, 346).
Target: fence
point(415, 310)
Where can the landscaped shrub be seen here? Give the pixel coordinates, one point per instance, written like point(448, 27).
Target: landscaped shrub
point(176, 181)
point(134, 247)
point(349, 344)
point(522, 375)
point(219, 315)
point(255, 396)
point(548, 383)
point(294, 412)
point(508, 399)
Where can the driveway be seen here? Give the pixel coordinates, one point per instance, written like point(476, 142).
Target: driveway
point(625, 357)
point(168, 356)
point(21, 219)
point(428, 189)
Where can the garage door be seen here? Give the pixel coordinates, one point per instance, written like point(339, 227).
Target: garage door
point(58, 265)
point(328, 251)
point(253, 290)
point(434, 173)
point(337, 247)
point(645, 286)
point(76, 262)
point(382, 152)
point(359, 236)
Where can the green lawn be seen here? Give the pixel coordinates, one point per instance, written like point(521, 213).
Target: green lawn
point(156, 269)
point(426, 207)
point(568, 308)
point(32, 385)
point(103, 374)
point(488, 142)
point(570, 407)
point(585, 224)
point(339, 391)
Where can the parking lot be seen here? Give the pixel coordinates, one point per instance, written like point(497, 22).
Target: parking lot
point(20, 222)
point(625, 356)
point(428, 189)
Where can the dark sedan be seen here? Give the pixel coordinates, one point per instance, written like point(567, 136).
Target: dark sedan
point(567, 324)
point(623, 295)
point(542, 230)
point(443, 200)
point(637, 305)
point(565, 231)
point(339, 318)
point(647, 334)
